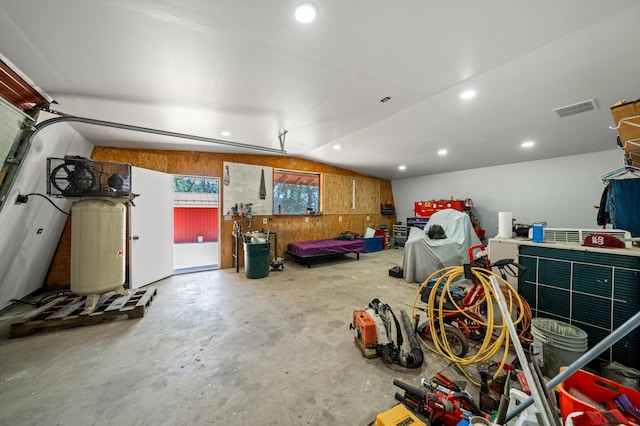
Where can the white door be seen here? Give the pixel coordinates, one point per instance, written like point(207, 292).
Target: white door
point(150, 227)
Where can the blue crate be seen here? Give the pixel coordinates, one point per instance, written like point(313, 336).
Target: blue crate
point(373, 244)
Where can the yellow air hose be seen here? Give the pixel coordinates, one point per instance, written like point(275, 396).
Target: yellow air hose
point(436, 311)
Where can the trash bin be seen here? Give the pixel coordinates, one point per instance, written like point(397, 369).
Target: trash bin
point(562, 343)
point(256, 259)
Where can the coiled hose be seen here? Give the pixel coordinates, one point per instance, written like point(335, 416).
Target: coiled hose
point(489, 345)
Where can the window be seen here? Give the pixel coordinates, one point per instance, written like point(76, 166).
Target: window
point(195, 184)
point(295, 192)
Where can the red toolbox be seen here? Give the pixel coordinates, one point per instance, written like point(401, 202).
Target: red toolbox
point(427, 208)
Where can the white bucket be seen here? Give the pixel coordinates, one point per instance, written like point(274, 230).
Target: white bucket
point(562, 343)
point(528, 417)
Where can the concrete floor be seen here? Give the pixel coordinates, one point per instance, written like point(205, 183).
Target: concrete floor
point(218, 348)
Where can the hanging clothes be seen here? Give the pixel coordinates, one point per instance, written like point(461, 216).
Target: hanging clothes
point(263, 188)
point(623, 205)
point(603, 217)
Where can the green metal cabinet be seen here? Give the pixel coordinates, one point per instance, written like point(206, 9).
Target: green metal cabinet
point(594, 291)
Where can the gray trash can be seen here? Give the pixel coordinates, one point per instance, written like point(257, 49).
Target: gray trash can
point(562, 343)
point(256, 259)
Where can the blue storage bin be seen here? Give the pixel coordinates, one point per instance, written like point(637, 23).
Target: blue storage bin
point(372, 244)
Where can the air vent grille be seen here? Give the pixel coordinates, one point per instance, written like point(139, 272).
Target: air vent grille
point(565, 111)
point(572, 235)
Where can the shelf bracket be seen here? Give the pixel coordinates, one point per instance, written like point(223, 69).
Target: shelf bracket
point(281, 137)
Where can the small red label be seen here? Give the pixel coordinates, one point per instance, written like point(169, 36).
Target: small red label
point(120, 254)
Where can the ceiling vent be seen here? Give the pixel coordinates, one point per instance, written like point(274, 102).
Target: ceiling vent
point(584, 106)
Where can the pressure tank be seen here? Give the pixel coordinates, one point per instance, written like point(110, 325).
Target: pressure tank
point(98, 230)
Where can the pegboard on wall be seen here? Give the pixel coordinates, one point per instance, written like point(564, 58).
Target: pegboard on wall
point(244, 184)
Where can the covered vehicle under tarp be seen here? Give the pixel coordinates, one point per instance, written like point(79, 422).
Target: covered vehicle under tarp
point(423, 256)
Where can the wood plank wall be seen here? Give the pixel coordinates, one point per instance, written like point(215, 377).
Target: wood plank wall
point(370, 192)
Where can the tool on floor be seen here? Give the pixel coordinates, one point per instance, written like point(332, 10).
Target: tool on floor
point(475, 313)
point(439, 408)
point(443, 380)
point(489, 398)
point(442, 384)
point(504, 401)
point(374, 329)
point(398, 415)
point(454, 316)
point(277, 263)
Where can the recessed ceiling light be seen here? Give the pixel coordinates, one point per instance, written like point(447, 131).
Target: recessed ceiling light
point(225, 133)
point(442, 152)
point(402, 167)
point(467, 94)
point(337, 147)
point(306, 12)
point(527, 144)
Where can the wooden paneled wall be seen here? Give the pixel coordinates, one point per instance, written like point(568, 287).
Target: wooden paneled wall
point(350, 194)
point(370, 192)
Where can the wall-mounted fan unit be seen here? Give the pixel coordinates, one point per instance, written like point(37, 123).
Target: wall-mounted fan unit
point(74, 176)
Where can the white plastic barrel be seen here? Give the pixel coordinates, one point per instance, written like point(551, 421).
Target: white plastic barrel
point(98, 237)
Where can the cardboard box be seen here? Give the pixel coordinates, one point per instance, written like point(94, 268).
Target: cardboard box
point(627, 118)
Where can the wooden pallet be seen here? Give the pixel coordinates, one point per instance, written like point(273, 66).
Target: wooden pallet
point(67, 311)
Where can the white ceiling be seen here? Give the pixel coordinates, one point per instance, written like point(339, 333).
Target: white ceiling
point(203, 66)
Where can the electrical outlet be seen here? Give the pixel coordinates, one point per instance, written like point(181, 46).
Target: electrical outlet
point(22, 199)
point(264, 221)
point(339, 218)
point(368, 218)
point(306, 219)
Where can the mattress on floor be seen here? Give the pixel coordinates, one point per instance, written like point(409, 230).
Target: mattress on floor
point(326, 247)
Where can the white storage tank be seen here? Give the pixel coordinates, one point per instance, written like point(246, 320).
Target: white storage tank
point(98, 237)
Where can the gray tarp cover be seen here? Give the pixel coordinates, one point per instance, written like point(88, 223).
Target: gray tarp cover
point(424, 256)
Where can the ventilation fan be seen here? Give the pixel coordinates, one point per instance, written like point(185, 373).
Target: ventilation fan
point(74, 176)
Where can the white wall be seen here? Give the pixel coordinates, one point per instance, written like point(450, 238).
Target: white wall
point(25, 255)
point(560, 191)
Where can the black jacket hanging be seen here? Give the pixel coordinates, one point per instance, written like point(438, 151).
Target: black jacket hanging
point(603, 215)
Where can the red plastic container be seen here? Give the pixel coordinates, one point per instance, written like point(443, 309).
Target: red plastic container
point(595, 388)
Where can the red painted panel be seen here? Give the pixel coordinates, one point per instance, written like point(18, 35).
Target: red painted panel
point(189, 222)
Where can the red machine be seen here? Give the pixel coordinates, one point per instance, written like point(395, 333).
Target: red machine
point(440, 405)
point(463, 314)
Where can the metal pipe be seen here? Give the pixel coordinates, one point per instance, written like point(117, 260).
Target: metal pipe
point(588, 356)
point(67, 118)
point(537, 397)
